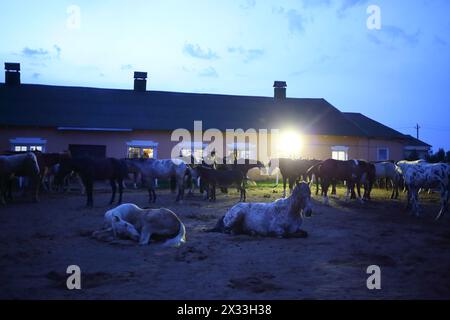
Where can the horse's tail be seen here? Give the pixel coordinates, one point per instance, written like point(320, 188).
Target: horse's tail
point(173, 183)
point(188, 177)
point(179, 239)
point(219, 227)
point(314, 170)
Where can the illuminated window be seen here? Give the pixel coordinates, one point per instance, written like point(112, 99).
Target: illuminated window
point(147, 153)
point(134, 153)
point(142, 149)
point(138, 152)
point(242, 151)
point(27, 144)
point(339, 153)
point(20, 148)
point(383, 154)
point(36, 148)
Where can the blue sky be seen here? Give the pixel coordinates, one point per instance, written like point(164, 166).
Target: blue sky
point(398, 75)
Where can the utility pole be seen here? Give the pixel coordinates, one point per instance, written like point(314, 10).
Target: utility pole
point(417, 130)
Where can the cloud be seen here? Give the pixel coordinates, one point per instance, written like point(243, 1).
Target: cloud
point(195, 51)
point(58, 50)
point(248, 55)
point(397, 33)
point(316, 3)
point(40, 53)
point(374, 39)
point(248, 4)
point(209, 72)
point(348, 4)
point(317, 64)
point(28, 52)
point(36, 75)
point(296, 21)
point(389, 35)
point(439, 41)
point(126, 67)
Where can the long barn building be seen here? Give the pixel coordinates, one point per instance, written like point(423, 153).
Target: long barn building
point(139, 122)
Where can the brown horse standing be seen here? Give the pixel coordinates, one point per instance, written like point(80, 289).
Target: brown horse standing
point(293, 170)
point(92, 169)
point(353, 172)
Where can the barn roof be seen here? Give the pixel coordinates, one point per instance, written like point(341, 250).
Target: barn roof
point(413, 142)
point(375, 129)
point(81, 107)
point(372, 128)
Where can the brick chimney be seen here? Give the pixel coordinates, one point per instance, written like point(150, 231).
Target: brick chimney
point(140, 81)
point(12, 74)
point(279, 90)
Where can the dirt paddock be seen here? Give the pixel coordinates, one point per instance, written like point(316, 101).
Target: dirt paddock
point(39, 241)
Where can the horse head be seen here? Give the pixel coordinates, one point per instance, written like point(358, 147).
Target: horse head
point(64, 169)
point(124, 229)
point(302, 198)
point(32, 163)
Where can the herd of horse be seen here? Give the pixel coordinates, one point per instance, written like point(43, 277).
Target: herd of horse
point(224, 174)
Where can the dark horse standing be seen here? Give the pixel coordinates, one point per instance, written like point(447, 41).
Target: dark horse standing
point(92, 169)
point(353, 172)
point(293, 170)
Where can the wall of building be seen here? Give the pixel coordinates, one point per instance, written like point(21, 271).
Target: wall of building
point(314, 147)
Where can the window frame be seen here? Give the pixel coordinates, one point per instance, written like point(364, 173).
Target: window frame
point(28, 143)
point(387, 153)
point(339, 149)
point(141, 145)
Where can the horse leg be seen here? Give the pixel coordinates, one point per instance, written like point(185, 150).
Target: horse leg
point(333, 186)
point(145, 236)
point(394, 189)
point(112, 182)
point(89, 186)
point(317, 185)
point(397, 187)
point(37, 180)
point(347, 192)
point(150, 194)
point(358, 189)
point(180, 182)
point(284, 187)
point(8, 192)
point(325, 185)
point(120, 191)
point(213, 192)
point(2, 191)
point(291, 184)
point(444, 202)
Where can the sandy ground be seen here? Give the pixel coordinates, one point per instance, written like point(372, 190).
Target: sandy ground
point(39, 241)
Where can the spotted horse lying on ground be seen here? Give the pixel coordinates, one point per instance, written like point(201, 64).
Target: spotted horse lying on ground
point(131, 222)
point(281, 218)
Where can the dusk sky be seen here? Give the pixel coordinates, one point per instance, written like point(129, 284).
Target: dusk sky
point(398, 75)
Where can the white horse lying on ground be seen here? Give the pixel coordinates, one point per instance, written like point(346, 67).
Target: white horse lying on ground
point(130, 221)
point(281, 218)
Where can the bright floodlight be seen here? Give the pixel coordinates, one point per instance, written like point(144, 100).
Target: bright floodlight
point(291, 143)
